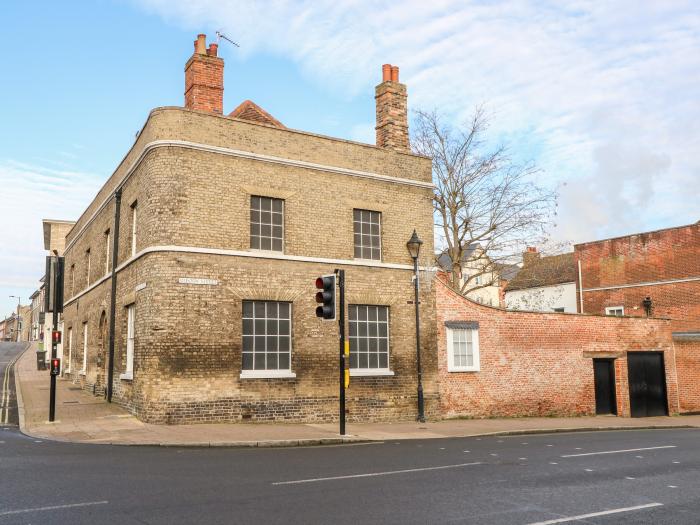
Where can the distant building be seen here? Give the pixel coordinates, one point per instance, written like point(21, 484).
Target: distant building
point(481, 274)
point(653, 273)
point(544, 284)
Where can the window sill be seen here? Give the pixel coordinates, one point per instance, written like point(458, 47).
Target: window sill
point(372, 372)
point(267, 374)
point(126, 376)
point(359, 259)
point(260, 250)
point(472, 369)
point(82, 373)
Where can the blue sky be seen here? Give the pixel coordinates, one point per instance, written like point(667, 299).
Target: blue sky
point(602, 97)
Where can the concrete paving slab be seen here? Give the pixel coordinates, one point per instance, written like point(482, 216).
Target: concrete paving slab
point(85, 418)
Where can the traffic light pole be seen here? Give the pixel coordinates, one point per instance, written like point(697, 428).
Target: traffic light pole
point(341, 337)
point(54, 347)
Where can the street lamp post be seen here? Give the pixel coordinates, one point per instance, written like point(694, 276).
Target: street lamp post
point(17, 320)
point(413, 245)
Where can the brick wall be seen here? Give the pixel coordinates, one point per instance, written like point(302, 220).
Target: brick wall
point(188, 337)
point(540, 364)
point(688, 365)
point(664, 255)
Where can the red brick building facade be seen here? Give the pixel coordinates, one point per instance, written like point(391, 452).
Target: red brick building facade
point(542, 364)
point(619, 274)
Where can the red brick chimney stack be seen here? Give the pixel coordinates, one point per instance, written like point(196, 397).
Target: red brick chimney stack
point(204, 78)
point(531, 254)
point(392, 111)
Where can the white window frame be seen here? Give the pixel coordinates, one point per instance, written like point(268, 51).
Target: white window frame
point(362, 247)
point(130, 335)
point(476, 366)
point(272, 372)
point(108, 236)
point(133, 227)
point(85, 348)
point(70, 350)
point(384, 371)
point(612, 311)
point(260, 237)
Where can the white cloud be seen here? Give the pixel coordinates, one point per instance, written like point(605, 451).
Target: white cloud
point(607, 91)
point(29, 194)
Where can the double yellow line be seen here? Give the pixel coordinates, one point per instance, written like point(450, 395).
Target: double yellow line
point(5, 394)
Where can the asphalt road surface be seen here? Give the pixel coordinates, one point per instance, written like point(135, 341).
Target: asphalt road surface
point(8, 401)
point(648, 476)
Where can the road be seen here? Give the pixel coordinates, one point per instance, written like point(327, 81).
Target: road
point(508, 480)
point(622, 477)
point(8, 402)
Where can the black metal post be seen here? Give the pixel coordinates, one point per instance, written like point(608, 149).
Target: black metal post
point(113, 298)
point(341, 329)
point(54, 277)
point(421, 405)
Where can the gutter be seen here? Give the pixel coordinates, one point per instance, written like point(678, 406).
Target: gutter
point(113, 296)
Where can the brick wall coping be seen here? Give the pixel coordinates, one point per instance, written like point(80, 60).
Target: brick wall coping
point(650, 283)
point(507, 310)
point(240, 253)
point(686, 336)
point(636, 234)
point(151, 146)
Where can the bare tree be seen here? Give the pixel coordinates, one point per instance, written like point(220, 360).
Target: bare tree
point(487, 206)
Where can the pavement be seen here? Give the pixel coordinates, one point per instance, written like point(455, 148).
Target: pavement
point(84, 418)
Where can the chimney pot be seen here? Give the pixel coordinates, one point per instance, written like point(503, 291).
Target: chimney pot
point(213, 50)
point(201, 47)
point(532, 249)
point(394, 73)
point(386, 72)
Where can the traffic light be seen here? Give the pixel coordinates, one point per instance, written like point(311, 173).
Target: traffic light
point(326, 297)
point(55, 366)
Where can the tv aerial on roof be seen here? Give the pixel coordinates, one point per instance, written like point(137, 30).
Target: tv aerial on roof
point(220, 35)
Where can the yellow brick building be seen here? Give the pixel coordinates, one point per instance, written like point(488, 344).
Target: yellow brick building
point(224, 223)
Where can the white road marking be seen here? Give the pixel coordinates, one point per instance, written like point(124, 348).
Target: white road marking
point(465, 451)
point(550, 445)
point(5, 392)
point(673, 486)
point(639, 457)
point(523, 443)
point(676, 462)
point(615, 451)
point(54, 507)
point(578, 448)
point(442, 448)
point(595, 514)
point(522, 459)
point(494, 455)
point(588, 469)
point(629, 477)
point(374, 474)
point(553, 463)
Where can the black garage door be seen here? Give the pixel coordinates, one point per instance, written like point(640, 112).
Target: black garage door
point(647, 382)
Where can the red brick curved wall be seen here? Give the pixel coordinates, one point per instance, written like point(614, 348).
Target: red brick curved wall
point(535, 364)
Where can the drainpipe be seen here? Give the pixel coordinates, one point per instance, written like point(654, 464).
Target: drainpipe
point(580, 287)
point(113, 298)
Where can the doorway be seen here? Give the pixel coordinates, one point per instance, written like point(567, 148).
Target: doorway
point(647, 380)
point(604, 378)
